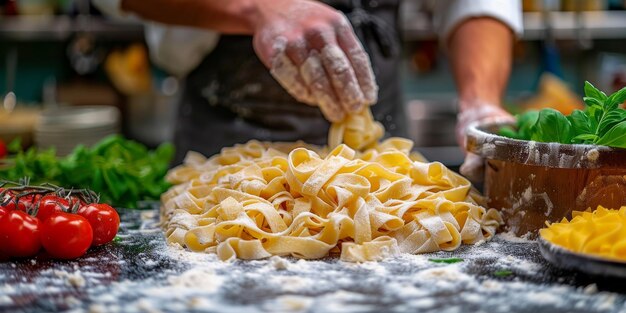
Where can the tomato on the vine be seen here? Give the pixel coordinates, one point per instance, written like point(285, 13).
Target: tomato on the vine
point(3, 211)
point(19, 234)
point(66, 236)
point(51, 204)
point(103, 219)
point(11, 205)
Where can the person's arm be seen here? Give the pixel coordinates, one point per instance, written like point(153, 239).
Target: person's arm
point(224, 16)
point(481, 54)
point(309, 47)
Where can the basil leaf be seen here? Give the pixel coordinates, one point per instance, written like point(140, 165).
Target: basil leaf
point(615, 137)
point(503, 273)
point(589, 101)
point(615, 99)
point(580, 121)
point(592, 92)
point(509, 132)
point(609, 120)
point(525, 123)
point(585, 138)
point(595, 114)
point(552, 126)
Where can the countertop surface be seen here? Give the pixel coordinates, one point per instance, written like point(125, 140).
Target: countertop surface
point(140, 273)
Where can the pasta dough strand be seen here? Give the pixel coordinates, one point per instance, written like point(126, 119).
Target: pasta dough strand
point(363, 199)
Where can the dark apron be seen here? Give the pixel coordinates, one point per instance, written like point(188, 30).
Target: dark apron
point(232, 98)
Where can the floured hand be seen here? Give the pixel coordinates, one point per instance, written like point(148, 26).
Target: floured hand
point(477, 112)
point(313, 53)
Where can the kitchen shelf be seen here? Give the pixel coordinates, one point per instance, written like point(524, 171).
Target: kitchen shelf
point(593, 25)
point(45, 28)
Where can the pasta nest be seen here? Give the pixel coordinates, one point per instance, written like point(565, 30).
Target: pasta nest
point(259, 199)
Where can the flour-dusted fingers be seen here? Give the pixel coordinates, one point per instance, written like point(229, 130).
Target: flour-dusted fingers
point(317, 81)
point(343, 78)
point(297, 52)
point(287, 73)
point(338, 68)
point(299, 43)
point(359, 59)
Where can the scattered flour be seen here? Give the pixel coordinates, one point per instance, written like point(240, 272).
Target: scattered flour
point(511, 237)
point(5, 300)
point(74, 279)
point(180, 280)
point(278, 263)
point(289, 303)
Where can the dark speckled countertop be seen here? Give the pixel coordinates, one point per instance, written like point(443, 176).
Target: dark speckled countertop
point(140, 273)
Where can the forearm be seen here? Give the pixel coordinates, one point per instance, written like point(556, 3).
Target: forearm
point(481, 54)
point(225, 16)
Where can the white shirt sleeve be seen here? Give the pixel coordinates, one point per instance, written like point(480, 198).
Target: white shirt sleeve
point(448, 14)
point(176, 49)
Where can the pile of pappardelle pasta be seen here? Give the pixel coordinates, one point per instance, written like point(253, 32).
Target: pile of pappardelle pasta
point(601, 232)
point(365, 203)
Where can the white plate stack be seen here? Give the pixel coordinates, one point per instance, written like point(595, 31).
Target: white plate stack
point(66, 127)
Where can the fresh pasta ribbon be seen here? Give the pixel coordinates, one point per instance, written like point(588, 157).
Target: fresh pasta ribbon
point(363, 200)
point(601, 232)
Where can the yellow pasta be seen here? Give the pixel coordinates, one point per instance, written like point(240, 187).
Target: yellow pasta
point(363, 200)
point(601, 232)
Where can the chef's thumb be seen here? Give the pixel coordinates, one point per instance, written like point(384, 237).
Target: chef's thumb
point(473, 168)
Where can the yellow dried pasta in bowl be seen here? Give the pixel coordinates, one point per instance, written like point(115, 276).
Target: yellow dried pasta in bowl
point(599, 233)
point(365, 203)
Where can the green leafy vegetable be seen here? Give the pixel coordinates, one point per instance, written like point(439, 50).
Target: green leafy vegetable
point(552, 126)
point(121, 171)
point(603, 122)
point(446, 260)
point(503, 273)
point(615, 137)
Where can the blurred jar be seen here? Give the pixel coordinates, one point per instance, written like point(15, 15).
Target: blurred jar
point(36, 7)
point(584, 5)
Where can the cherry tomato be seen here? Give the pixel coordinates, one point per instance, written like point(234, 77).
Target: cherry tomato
point(11, 205)
point(19, 234)
point(3, 149)
point(66, 236)
point(103, 219)
point(3, 211)
point(50, 204)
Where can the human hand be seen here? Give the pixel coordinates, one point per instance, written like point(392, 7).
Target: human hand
point(312, 51)
point(471, 113)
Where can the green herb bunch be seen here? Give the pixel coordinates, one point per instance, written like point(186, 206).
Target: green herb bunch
point(122, 171)
point(602, 122)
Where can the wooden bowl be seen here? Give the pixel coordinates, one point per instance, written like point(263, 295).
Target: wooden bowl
point(534, 182)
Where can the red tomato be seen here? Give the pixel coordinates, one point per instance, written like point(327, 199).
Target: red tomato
point(103, 219)
point(3, 211)
point(50, 204)
point(11, 205)
point(66, 236)
point(19, 234)
point(3, 149)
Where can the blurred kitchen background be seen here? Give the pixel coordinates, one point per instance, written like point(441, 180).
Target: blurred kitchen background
point(56, 54)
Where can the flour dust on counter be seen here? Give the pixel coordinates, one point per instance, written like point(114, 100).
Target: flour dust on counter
point(141, 273)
